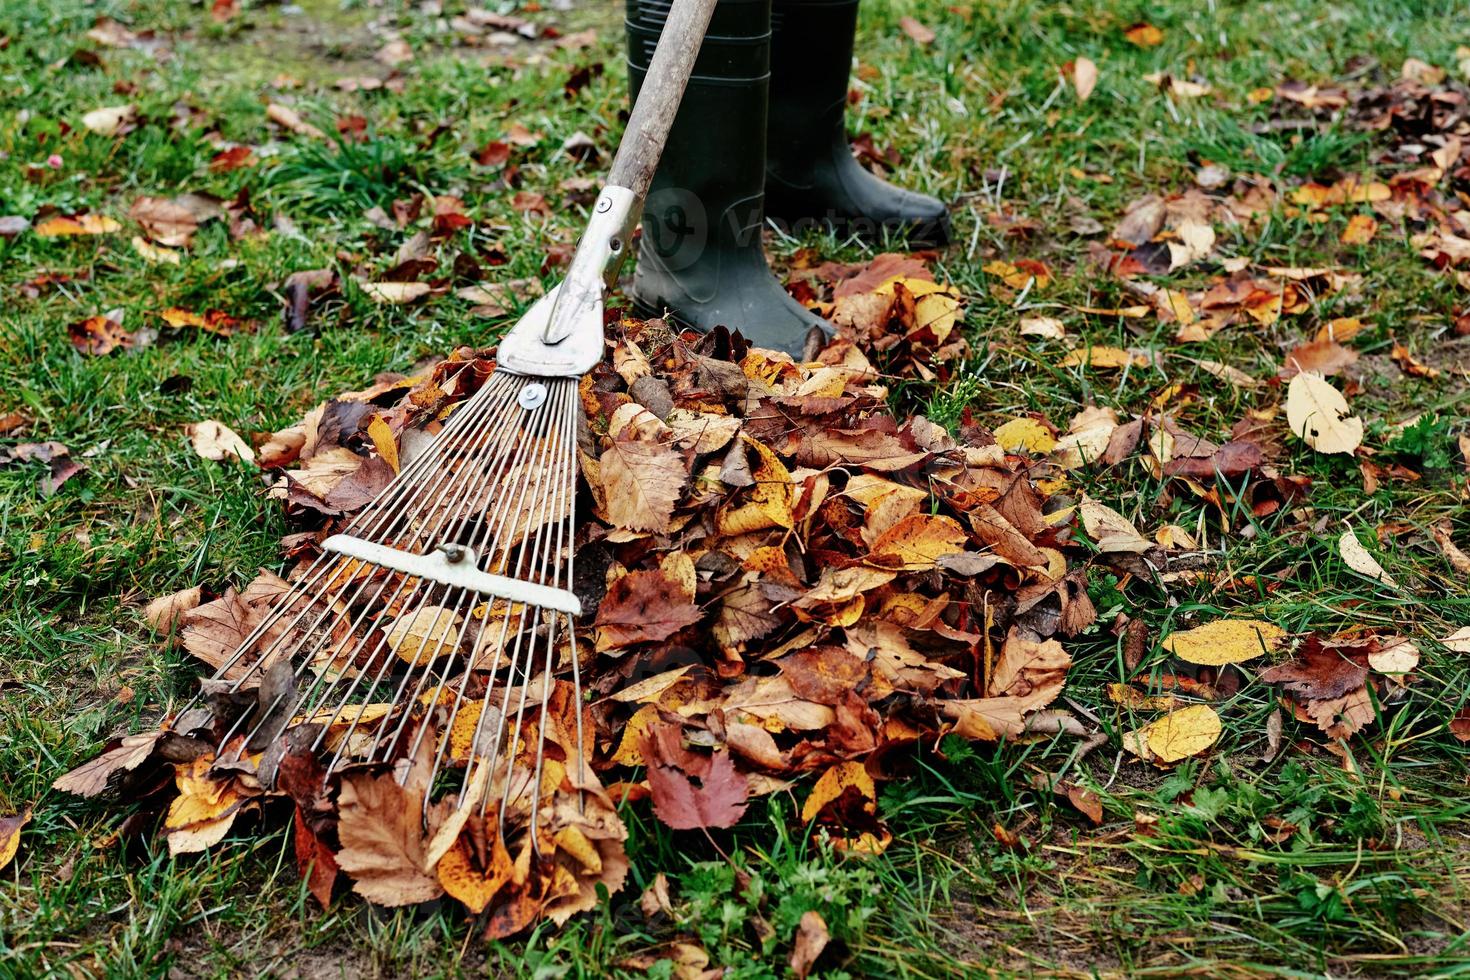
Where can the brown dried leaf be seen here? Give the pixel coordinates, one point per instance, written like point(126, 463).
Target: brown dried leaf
point(383, 842)
point(641, 481)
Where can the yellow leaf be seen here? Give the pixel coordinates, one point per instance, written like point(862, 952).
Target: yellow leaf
point(1144, 35)
point(1178, 735)
point(1025, 433)
point(460, 875)
point(10, 835)
point(1110, 529)
point(176, 317)
point(423, 635)
point(1225, 641)
point(382, 436)
point(85, 224)
point(1015, 276)
point(629, 752)
point(1109, 358)
point(771, 500)
point(154, 253)
point(917, 541)
point(833, 783)
point(1317, 413)
point(1360, 230)
point(1342, 329)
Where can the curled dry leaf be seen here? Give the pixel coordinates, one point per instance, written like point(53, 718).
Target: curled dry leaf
point(1356, 557)
point(217, 441)
point(396, 293)
point(95, 777)
point(99, 335)
point(811, 938)
point(110, 120)
point(82, 224)
point(10, 828)
point(165, 612)
point(1318, 414)
point(1225, 641)
point(1110, 529)
point(1084, 77)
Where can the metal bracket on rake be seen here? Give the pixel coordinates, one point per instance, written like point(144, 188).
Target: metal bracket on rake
point(457, 566)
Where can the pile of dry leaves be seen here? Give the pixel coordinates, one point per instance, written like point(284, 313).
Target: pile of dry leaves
point(778, 578)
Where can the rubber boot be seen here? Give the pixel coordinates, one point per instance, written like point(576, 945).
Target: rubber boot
point(700, 256)
point(812, 177)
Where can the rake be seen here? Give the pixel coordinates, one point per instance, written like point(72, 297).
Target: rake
point(434, 623)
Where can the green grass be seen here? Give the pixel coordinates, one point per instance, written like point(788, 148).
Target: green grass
point(1370, 883)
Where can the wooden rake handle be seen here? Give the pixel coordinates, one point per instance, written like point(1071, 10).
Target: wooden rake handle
point(658, 101)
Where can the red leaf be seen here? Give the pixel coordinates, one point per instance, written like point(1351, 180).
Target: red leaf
point(643, 606)
point(718, 801)
point(315, 862)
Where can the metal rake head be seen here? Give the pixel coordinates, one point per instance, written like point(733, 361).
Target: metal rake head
point(442, 613)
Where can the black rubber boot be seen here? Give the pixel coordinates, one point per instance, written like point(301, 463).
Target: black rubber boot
point(700, 256)
point(811, 174)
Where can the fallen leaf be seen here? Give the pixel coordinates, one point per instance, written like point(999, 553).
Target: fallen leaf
point(1025, 433)
point(915, 30)
point(1356, 557)
point(288, 118)
point(1178, 735)
point(424, 635)
point(1111, 530)
point(10, 828)
point(1143, 35)
point(396, 293)
point(811, 938)
point(165, 612)
point(917, 542)
point(383, 843)
point(217, 441)
point(1321, 356)
point(1084, 77)
point(719, 800)
point(1101, 358)
point(1043, 326)
point(99, 335)
point(1224, 641)
point(110, 120)
point(1360, 230)
point(82, 224)
point(166, 221)
point(155, 253)
point(1317, 413)
point(642, 607)
point(642, 481)
point(95, 777)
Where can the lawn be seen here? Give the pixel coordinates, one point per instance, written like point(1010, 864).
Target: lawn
point(1278, 850)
